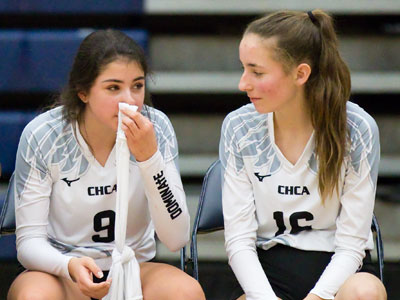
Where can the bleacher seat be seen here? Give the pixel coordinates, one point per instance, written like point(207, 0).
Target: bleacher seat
point(12, 59)
point(12, 122)
point(72, 6)
point(39, 60)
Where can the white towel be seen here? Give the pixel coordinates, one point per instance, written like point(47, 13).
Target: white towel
point(125, 271)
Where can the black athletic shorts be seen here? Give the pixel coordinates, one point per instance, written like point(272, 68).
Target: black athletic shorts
point(293, 273)
point(98, 280)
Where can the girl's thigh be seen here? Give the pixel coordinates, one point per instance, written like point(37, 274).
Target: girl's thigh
point(162, 282)
point(40, 285)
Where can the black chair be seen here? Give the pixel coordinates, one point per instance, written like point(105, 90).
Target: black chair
point(209, 217)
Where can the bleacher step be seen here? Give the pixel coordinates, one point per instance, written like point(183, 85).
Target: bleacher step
point(176, 7)
point(210, 82)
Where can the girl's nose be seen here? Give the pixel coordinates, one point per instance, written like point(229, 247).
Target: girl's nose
point(127, 97)
point(244, 84)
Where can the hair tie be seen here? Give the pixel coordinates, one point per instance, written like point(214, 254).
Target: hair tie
point(312, 17)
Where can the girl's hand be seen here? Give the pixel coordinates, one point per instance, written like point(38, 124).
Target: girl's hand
point(81, 271)
point(140, 135)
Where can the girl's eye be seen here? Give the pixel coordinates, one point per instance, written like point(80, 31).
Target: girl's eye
point(257, 74)
point(138, 86)
point(113, 88)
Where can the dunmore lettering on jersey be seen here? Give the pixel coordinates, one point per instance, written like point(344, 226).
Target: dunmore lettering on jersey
point(293, 190)
point(166, 195)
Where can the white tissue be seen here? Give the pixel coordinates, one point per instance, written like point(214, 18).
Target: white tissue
point(133, 108)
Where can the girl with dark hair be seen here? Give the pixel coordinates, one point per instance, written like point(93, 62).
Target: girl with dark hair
point(300, 168)
point(66, 185)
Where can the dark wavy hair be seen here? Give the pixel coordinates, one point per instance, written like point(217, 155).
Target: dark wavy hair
point(96, 51)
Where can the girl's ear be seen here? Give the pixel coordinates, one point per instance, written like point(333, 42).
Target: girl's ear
point(82, 96)
point(303, 72)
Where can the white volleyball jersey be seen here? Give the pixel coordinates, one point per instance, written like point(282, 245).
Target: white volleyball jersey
point(268, 200)
point(65, 199)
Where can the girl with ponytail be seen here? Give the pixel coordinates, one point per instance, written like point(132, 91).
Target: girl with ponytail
point(299, 168)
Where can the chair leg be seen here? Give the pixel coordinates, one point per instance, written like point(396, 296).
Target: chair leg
point(194, 258)
point(379, 246)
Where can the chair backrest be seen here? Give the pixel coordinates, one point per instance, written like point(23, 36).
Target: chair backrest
point(7, 216)
point(8, 252)
point(12, 123)
point(209, 214)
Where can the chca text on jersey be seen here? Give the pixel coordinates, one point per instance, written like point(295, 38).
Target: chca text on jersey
point(101, 190)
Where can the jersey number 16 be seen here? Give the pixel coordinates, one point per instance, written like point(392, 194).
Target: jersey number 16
point(294, 221)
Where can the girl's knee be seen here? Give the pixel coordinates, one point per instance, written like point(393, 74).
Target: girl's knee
point(190, 290)
point(36, 286)
point(161, 281)
point(373, 291)
point(363, 286)
point(185, 287)
point(28, 295)
point(369, 293)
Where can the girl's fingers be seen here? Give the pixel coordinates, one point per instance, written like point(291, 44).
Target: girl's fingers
point(138, 119)
point(129, 125)
point(86, 266)
point(137, 127)
point(95, 290)
point(91, 265)
point(100, 287)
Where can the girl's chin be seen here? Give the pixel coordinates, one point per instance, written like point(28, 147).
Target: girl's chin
point(260, 109)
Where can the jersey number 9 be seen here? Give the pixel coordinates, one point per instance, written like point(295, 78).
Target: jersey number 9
point(104, 222)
